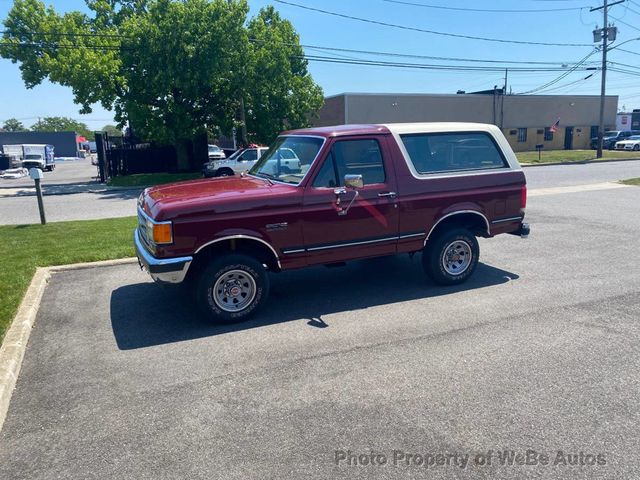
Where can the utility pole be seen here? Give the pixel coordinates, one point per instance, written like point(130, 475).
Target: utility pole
point(504, 93)
point(605, 33)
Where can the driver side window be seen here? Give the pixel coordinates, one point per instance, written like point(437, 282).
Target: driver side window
point(355, 157)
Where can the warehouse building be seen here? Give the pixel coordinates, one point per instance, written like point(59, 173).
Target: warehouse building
point(526, 120)
point(65, 144)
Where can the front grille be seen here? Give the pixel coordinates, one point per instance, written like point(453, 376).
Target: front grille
point(142, 226)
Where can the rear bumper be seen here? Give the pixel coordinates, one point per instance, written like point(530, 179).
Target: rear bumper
point(523, 230)
point(162, 270)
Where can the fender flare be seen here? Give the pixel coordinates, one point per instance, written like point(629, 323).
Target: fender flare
point(243, 237)
point(458, 212)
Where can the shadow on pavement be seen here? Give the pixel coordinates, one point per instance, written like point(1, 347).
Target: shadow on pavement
point(147, 314)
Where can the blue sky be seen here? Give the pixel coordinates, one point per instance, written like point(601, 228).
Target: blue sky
point(318, 29)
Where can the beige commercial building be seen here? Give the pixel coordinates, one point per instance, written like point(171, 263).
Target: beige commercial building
point(526, 120)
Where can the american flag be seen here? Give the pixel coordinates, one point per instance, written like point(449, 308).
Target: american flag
point(554, 127)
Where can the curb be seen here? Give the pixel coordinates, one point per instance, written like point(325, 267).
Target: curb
point(15, 341)
point(582, 162)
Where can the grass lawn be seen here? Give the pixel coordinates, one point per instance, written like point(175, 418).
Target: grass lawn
point(150, 179)
point(557, 156)
point(29, 246)
point(632, 181)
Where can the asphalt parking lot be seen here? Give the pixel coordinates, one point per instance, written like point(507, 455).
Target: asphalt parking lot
point(538, 351)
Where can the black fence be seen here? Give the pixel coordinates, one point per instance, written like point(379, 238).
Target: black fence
point(117, 156)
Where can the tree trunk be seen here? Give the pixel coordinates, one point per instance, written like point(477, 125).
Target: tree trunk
point(182, 154)
point(243, 125)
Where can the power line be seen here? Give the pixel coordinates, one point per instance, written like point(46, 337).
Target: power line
point(63, 34)
point(560, 87)
point(628, 51)
point(97, 47)
point(466, 68)
point(427, 57)
point(433, 32)
point(556, 80)
point(72, 46)
point(624, 65)
point(486, 10)
point(625, 23)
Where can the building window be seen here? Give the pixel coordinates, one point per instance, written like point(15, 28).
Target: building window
point(522, 135)
point(548, 134)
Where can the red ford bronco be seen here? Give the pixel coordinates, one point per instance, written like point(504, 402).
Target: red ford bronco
point(353, 192)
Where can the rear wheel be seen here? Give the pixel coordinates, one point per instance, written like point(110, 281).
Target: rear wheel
point(232, 288)
point(451, 257)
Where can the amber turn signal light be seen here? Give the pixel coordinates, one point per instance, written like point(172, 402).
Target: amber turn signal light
point(162, 233)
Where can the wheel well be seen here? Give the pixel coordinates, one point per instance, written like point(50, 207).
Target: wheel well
point(475, 222)
point(246, 246)
point(226, 170)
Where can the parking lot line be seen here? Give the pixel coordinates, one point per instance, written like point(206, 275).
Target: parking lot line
point(592, 187)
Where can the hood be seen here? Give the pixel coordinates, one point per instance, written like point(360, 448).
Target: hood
point(209, 194)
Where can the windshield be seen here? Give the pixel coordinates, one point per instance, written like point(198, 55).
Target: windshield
point(288, 159)
point(33, 157)
point(635, 137)
point(611, 134)
point(213, 149)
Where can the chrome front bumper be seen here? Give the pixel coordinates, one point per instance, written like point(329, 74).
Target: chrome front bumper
point(162, 270)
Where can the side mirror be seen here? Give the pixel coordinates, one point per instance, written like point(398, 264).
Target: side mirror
point(353, 181)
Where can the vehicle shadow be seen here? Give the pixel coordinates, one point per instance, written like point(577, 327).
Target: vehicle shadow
point(147, 314)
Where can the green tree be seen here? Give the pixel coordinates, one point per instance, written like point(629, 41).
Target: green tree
point(191, 69)
point(280, 92)
point(171, 69)
point(13, 125)
point(62, 124)
point(112, 130)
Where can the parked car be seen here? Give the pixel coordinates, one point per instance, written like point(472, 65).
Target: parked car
point(215, 153)
point(357, 192)
point(631, 143)
point(610, 138)
point(240, 161)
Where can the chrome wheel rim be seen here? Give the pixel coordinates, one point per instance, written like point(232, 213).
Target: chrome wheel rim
point(234, 291)
point(457, 257)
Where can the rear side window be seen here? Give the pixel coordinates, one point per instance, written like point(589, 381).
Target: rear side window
point(452, 152)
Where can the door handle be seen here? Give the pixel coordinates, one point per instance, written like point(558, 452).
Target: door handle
point(387, 194)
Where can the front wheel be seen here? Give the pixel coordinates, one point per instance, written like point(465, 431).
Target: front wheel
point(636, 148)
point(232, 288)
point(451, 257)
point(224, 172)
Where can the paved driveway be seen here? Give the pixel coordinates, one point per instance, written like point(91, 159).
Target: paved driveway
point(68, 172)
point(538, 351)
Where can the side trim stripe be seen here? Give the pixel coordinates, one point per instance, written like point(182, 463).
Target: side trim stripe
point(287, 251)
point(510, 219)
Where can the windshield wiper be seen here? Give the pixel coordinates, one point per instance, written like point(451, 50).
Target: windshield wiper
point(265, 176)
